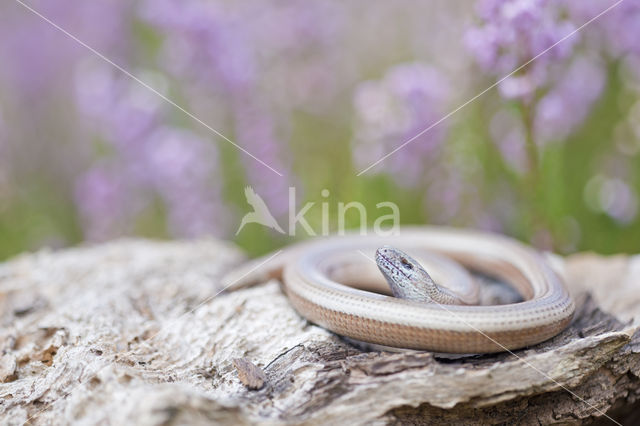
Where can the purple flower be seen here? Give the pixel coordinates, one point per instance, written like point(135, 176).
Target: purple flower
point(617, 32)
point(569, 102)
point(256, 132)
point(559, 87)
point(390, 111)
point(41, 55)
point(147, 160)
point(514, 31)
point(219, 50)
point(178, 166)
point(204, 42)
point(183, 171)
point(124, 111)
point(106, 202)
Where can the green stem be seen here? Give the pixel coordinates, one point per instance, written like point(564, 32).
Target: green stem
point(533, 179)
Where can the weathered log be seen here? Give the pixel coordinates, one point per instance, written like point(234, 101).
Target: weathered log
point(138, 332)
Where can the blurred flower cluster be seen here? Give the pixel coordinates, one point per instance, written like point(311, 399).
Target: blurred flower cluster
point(92, 149)
point(559, 58)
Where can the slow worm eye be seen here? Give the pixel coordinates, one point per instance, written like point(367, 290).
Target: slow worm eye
point(406, 263)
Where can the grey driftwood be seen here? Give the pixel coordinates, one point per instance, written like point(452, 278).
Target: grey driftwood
point(136, 332)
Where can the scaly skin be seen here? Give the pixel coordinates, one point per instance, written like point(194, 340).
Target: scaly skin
point(408, 279)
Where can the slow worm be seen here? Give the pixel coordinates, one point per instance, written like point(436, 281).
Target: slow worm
point(330, 282)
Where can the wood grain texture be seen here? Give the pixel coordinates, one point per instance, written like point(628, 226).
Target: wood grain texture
point(132, 332)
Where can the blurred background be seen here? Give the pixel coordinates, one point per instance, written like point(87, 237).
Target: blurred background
point(319, 91)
